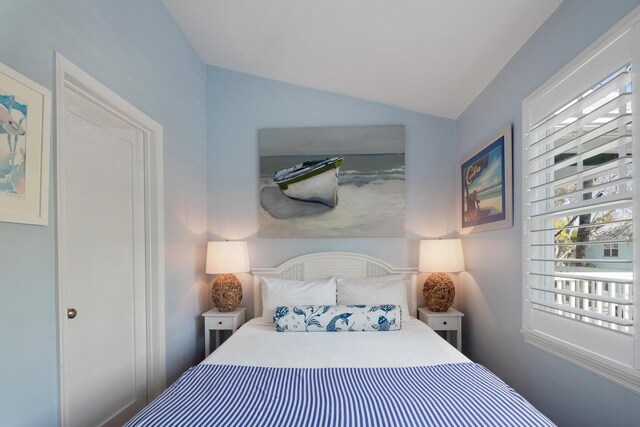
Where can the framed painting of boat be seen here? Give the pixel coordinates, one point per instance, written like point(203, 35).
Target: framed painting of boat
point(25, 119)
point(486, 185)
point(332, 181)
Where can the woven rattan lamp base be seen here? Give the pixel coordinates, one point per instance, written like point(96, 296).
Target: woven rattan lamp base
point(226, 292)
point(438, 292)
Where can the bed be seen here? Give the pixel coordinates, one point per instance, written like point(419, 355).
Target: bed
point(408, 377)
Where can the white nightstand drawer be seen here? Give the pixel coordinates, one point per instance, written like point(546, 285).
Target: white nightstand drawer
point(215, 322)
point(449, 321)
point(443, 323)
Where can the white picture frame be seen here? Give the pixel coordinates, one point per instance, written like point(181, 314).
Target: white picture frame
point(25, 145)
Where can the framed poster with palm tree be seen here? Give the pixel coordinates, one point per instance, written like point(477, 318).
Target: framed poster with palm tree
point(486, 185)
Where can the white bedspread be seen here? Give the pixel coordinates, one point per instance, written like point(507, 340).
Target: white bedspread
point(258, 344)
point(260, 378)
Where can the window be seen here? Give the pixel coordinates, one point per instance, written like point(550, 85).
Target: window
point(610, 250)
point(580, 291)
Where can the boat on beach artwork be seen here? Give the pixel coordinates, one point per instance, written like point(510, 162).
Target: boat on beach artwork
point(332, 182)
point(311, 181)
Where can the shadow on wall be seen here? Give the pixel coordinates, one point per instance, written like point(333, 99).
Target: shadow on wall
point(467, 289)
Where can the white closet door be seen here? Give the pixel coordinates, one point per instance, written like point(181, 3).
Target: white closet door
point(102, 231)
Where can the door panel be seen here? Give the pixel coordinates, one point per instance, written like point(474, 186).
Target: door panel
point(104, 347)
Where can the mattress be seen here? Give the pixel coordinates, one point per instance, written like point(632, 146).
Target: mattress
point(410, 377)
point(258, 344)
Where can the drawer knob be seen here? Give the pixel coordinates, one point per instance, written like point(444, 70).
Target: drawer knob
point(444, 323)
point(220, 323)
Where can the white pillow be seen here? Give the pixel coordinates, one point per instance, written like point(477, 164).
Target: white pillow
point(374, 290)
point(281, 292)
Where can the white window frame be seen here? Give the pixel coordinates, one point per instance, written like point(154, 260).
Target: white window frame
point(611, 248)
point(627, 373)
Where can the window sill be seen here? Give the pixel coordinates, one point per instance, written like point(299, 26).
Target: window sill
point(619, 374)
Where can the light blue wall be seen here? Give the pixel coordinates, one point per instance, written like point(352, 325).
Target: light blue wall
point(240, 104)
point(136, 49)
point(492, 286)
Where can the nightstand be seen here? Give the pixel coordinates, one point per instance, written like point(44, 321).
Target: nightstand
point(448, 321)
point(214, 320)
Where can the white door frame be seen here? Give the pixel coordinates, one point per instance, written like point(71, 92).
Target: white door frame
point(69, 75)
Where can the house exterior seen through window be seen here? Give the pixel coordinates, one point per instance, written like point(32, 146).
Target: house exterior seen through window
point(610, 250)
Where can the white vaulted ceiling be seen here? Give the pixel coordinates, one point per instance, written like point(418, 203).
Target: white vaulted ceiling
point(430, 56)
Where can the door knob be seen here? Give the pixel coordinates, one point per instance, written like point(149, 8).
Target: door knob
point(71, 313)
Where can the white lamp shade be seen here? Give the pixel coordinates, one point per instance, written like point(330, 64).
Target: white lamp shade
point(441, 256)
point(227, 257)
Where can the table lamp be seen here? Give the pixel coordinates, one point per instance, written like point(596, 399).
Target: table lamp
point(440, 257)
point(226, 258)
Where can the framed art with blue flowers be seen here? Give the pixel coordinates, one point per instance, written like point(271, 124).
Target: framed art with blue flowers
point(25, 118)
point(486, 185)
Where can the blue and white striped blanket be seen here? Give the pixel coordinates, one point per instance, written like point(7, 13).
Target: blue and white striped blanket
point(461, 394)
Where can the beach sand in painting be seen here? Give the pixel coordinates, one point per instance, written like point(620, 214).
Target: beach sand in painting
point(372, 209)
point(493, 203)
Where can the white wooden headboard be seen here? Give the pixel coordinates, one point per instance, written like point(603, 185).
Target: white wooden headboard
point(323, 265)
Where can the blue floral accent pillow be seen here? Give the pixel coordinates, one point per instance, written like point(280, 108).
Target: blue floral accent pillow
point(338, 318)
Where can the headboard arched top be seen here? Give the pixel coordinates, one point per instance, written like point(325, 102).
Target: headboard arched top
point(323, 265)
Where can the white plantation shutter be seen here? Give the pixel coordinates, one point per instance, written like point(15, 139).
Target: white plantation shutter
point(579, 298)
point(579, 177)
